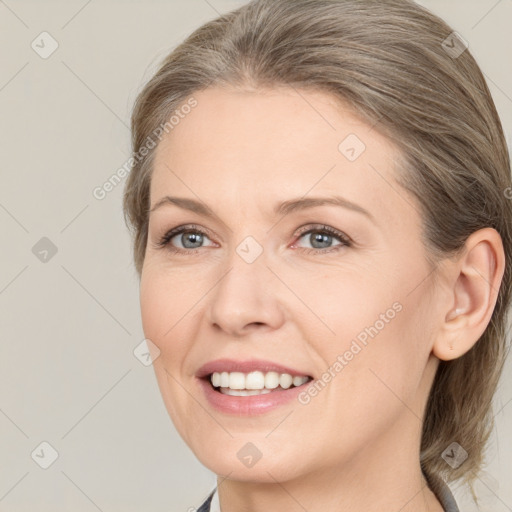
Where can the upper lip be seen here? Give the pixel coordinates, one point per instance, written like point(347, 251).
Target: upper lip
point(250, 365)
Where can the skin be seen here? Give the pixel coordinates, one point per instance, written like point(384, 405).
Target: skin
point(355, 445)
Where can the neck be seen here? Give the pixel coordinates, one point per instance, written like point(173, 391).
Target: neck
point(385, 475)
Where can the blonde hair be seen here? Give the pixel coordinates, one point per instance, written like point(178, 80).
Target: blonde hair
point(391, 61)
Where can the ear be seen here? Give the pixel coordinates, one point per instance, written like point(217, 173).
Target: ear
point(474, 282)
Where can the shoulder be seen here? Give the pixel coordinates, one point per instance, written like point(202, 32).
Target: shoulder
point(205, 507)
point(443, 493)
point(436, 484)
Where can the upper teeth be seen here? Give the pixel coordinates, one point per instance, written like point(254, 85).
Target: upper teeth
point(255, 380)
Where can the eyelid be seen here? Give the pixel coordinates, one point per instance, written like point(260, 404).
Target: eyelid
point(165, 239)
point(345, 240)
point(324, 227)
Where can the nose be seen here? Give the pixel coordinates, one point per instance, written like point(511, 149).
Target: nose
point(246, 297)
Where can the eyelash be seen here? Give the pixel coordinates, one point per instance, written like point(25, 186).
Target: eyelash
point(319, 228)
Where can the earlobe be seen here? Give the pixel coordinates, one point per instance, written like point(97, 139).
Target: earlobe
point(475, 279)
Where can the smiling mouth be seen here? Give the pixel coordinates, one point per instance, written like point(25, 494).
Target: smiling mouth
point(254, 383)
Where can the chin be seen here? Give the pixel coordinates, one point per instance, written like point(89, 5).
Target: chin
point(243, 461)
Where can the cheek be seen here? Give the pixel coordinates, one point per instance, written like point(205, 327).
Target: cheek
point(375, 360)
point(347, 314)
point(383, 376)
point(373, 391)
point(165, 301)
point(164, 318)
point(153, 303)
point(162, 307)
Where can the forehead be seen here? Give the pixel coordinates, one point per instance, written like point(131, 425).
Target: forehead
point(274, 124)
point(243, 146)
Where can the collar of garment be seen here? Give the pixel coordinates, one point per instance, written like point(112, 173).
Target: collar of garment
point(437, 485)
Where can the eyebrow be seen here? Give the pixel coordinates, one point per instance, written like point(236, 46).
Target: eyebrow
point(283, 208)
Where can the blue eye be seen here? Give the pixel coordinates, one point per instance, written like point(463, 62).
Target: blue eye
point(323, 238)
point(192, 237)
point(189, 236)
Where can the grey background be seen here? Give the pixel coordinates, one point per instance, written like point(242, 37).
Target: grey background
point(70, 324)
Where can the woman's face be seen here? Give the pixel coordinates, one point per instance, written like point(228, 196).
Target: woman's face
point(258, 280)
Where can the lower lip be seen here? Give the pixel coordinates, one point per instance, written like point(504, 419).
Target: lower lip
point(249, 405)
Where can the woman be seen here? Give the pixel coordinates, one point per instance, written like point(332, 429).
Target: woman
point(322, 234)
